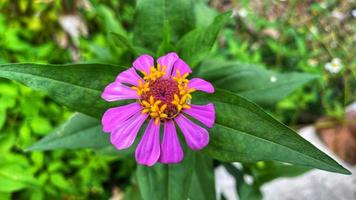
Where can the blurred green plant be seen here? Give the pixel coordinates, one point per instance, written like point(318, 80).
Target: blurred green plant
point(25, 116)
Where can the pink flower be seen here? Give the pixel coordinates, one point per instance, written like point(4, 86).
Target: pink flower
point(163, 96)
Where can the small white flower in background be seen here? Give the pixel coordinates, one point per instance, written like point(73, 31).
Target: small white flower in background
point(273, 79)
point(242, 12)
point(334, 66)
point(353, 13)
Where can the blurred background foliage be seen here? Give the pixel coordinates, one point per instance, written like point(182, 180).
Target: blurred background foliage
point(280, 35)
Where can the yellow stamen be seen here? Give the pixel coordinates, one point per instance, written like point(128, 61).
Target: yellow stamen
point(142, 88)
point(155, 73)
point(181, 103)
point(181, 79)
point(154, 109)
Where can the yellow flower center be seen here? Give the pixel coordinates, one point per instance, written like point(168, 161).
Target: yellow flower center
point(161, 97)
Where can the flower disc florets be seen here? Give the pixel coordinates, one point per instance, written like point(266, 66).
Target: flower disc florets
point(163, 90)
point(163, 97)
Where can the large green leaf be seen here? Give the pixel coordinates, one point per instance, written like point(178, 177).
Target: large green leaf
point(195, 45)
point(151, 16)
point(80, 131)
point(77, 86)
point(260, 85)
point(244, 132)
point(167, 182)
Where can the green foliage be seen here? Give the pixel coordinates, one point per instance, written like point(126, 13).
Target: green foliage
point(26, 115)
point(229, 141)
point(67, 84)
point(267, 88)
point(203, 183)
point(259, 174)
point(258, 136)
point(167, 181)
point(79, 130)
point(151, 16)
point(195, 45)
point(243, 132)
point(14, 177)
point(37, 174)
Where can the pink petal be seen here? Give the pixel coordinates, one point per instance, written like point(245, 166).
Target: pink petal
point(201, 84)
point(143, 63)
point(118, 91)
point(171, 151)
point(114, 117)
point(203, 113)
point(129, 76)
point(182, 67)
point(168, 60)
point(148, 150)
point(124, 136)
point(195, 136)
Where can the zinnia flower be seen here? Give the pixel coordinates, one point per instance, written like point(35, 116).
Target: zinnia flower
point(334, 66)
point(163, 97)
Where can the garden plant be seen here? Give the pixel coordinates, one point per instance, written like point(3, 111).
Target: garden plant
point(161, 95)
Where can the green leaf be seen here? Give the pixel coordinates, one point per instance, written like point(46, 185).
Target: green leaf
point(132, 193)
point(244, 190)
point(124, 42)
point(40, 125)
point(5, 195)
point(195, 45)
point(262, 86)
point(60, 181)
point(264, 172)
point(243, 132)
point(204, 14)
point(77, 86)
point(2, 118)
point(14, 177)
point(167, 182)
point(108, 20)
point(150, 18)
point(203, 181)
point(165, 45)
point(80, 131)
point(250, 192)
